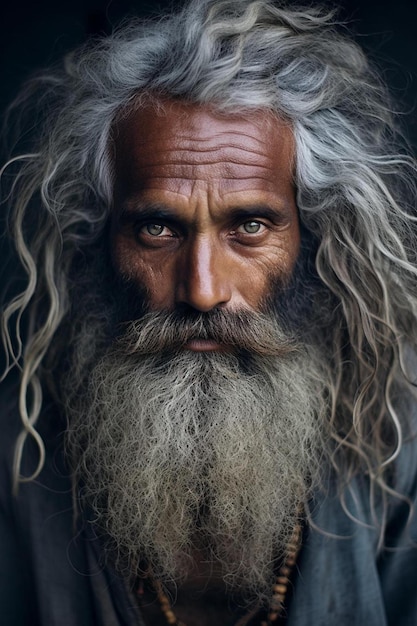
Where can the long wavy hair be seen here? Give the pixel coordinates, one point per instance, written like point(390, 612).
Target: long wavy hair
point(355, 190)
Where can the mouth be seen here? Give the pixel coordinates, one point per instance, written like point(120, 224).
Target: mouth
point(205, 345)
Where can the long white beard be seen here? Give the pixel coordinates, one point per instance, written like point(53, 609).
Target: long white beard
point(199, 449)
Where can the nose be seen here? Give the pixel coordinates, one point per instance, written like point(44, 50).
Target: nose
point(204, 280)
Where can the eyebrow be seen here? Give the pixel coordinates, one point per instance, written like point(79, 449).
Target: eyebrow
point(165, 213)
point(147, 211)
point(275, 214)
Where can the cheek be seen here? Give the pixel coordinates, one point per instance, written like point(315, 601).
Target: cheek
point(260, 282)
point(289, 251)
point(252, 282)
point(273, 267)
point(157, 279)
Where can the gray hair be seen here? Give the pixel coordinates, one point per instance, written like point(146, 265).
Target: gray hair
point(353, 180)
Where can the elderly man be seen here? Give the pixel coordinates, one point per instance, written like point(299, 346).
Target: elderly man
point(214, 417)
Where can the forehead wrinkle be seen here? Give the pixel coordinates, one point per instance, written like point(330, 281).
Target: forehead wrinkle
point(189, 136)
point(217, 141)
point(195, 178)
point(221, 165)
point(221, 159)
point(226, 171)
point(171, 151)
point(193, 154)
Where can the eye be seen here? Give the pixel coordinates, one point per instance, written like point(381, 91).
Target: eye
point(154, 234)
point(155, 230)
point(251, 227)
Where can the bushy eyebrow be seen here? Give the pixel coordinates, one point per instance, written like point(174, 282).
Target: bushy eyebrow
point(276, 215)
point(147, 211)
point(167, 214)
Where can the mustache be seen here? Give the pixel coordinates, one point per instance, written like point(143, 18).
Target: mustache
point(247, 331)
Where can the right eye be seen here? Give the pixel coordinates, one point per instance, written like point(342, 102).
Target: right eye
point(155, 230)
point(154, 234)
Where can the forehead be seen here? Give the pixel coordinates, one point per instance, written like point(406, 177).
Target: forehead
point(178, 145)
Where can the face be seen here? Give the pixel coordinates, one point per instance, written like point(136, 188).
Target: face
point(204, 209)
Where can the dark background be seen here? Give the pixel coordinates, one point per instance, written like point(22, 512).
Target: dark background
point(35, 34)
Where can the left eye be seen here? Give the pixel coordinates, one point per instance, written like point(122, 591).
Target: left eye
point(251, 228)
point(154, 229)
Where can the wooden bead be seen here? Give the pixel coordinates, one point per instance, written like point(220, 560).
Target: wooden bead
point(277, 603)
point(278, 598)
point(282, 580)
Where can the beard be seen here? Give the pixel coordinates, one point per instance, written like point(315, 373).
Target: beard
point(177, 450)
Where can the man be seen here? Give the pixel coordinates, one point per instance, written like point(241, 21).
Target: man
point(214, 419)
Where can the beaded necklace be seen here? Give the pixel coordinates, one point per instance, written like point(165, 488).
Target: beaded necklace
point(279, 589)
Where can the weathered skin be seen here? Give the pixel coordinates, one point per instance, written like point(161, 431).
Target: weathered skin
point(190, 185)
